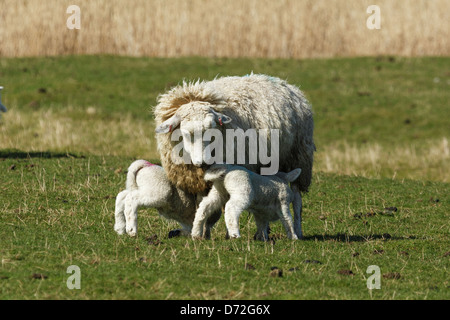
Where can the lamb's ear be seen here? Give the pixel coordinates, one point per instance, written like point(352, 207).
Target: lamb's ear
point(220, 117)
point(169, 125)
point(293, 175)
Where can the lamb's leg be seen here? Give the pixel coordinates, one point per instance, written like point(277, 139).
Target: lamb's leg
point(131, 209)
point(209, 204)
point(120, 223)
point(233, 210)
point(286, 220)
point(297, 206)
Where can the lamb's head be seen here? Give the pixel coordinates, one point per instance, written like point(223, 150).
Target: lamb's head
point(193, 120)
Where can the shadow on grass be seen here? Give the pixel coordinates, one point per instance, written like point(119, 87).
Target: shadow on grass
point(342, 237)
point(18, 154)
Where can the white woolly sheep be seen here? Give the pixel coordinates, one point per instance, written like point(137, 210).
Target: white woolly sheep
point(249, 102)
point(267, 197)
point(2, 107)
point(148, 186)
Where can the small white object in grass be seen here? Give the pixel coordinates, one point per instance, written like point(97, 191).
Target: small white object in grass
point(2, 107)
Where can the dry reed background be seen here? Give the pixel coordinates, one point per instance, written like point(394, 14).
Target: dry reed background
point(257, 28)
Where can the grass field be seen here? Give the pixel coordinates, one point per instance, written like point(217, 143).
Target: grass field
point(374, 117)
point(75, 123)
point(57, 211)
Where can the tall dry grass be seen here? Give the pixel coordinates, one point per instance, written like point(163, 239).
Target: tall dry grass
point(257, 28)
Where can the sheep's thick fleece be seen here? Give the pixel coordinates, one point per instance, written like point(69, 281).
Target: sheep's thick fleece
point(253, 101)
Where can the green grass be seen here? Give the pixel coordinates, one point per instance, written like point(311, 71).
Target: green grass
point(394, 107)
point(364, 99)
point(57, 211)
point(57, 197)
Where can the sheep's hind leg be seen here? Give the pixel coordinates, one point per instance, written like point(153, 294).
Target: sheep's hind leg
point(233, 210)
point(120, 223)
point(131, 208)
point(286, 220)
point(207, 207)
point(297, 206)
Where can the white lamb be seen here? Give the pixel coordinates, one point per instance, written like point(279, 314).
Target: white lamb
point(147, 186)
point(267, 197)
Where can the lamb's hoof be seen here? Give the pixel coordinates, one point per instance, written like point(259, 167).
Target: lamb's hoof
point(119, 228)
point(119, 231)
point(132, 232)
point(174, 233)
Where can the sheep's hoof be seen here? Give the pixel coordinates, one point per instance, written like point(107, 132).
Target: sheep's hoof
point(261, 237)
point(119, 231)
point(293, 237)
point(119, 227)
point(174, 233)
point(132, 232)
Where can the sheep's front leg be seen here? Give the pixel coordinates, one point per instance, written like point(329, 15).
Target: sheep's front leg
point(131, 208)
point(262, 229)
point(120, 223)
point(297, 206)
point(286, 220)
point(209, 204)
point(185, 231)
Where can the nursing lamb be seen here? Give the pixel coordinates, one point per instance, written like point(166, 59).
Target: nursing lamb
point(148, 186)
point(267, 197)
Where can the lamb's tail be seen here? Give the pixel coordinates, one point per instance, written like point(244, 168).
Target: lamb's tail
point(215, 172)
point(133, 169)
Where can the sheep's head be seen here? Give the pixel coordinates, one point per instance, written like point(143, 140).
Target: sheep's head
point(193, 119)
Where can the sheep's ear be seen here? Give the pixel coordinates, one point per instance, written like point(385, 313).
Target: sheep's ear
point(220, 117)
point(293, 175)
point(169, 125)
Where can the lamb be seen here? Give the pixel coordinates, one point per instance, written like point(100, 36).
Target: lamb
point(2, 107)
point(267, 197)
point(233, 103)
point(147, 185)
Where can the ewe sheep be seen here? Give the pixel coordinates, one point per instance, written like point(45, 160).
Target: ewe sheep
point(2, 107)
point(267, 197)
point(147, 185)
point(232, 103)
